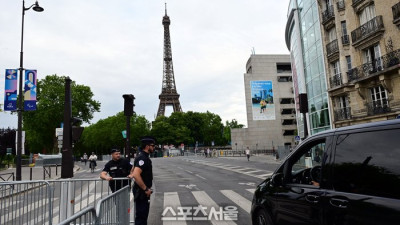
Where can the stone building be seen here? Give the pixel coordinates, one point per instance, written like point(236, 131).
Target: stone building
point(361, 41)
point(269, 104)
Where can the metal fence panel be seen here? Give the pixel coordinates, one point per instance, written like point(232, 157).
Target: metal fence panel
point(86, 216)
point(25, 202)
point(114, 209)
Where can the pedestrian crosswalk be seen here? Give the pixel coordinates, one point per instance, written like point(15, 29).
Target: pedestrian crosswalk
point(221, 207)
point(261, 174)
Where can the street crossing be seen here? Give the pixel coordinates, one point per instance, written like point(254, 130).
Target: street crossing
point(203, 207)
point(261, 174)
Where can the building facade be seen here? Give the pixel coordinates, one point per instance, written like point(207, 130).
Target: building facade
point(303, 39)
point(362, 45)
point(269, 104)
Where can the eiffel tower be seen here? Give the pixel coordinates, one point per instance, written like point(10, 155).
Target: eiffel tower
point(169, 96)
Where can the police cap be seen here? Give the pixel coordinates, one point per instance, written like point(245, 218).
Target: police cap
point(148, 140)
point(114, 150)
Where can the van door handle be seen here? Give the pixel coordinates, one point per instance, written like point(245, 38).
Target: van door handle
point(340, 203)
point(312, 198)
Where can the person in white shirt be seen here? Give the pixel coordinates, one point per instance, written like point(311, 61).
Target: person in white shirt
point(93, 158)
point(248, 153)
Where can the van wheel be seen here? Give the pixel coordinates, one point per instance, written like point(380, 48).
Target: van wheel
point(262, 218)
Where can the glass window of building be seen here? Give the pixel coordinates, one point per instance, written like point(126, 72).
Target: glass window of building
point(348, 61)
point(367, 14)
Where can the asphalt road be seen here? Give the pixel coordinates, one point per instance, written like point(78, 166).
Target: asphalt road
point(183, 184)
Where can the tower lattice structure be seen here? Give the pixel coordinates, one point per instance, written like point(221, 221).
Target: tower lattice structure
point(169, 96)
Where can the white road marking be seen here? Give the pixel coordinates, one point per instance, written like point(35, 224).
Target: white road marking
point(204, 200)
point(171, 199)
point(238, 199)
point(201, 177)
point(251, 190)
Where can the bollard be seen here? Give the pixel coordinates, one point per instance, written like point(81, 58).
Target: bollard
point(30, 174)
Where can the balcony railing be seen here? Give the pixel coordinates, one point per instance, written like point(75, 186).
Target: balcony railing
point(336, 81)
point(379, 64)
point(356, 2)
point(341, 5)
point(366, 30)
point(328, 14)
point(332, 47)
point(345, 39)
point(396, 11)
point(378, 107)
point(343, 114)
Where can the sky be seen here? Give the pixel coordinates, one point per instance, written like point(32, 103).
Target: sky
point(116, 47)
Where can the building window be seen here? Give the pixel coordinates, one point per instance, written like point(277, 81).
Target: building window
point(371, 56)
point(379, 96)
point(344, 28)
point(287, 101)
point(283, 68)
point(332, 34)
point(348, 61)
point(335, 68)
point(284, 79)
point(367, 14)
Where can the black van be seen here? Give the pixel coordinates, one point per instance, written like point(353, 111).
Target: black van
point(349, 175)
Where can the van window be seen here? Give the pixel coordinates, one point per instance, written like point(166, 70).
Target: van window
point(368, 163)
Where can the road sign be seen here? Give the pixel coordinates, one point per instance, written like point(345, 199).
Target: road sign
point(124, 133)
point(297, 138)
point(59, 132)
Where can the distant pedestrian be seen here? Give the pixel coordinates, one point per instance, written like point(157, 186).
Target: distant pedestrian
point(117, 167)
point(248, 153)
point(208, 152)
point(142, 172)
point(85, 158)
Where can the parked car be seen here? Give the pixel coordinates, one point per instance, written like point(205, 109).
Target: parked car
point(349, 175)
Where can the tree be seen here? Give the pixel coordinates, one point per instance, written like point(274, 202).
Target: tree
point(228, 127)
point(106, 134)
point(40, 124)
point(188, 128)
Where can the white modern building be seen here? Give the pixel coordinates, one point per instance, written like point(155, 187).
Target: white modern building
point(271, 115)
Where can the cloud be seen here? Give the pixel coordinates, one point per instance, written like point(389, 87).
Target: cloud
point(117, 48)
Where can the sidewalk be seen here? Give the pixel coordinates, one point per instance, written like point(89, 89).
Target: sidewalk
point(258, 158)
point(37, 173)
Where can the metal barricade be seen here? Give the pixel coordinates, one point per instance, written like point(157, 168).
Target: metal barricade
point(49, 202)
point(114, 209)
point(25, 202)
point(7, 177)
point(86, 216)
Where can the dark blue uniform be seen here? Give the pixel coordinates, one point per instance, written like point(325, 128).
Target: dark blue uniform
point(120, 168)
point(142, 204)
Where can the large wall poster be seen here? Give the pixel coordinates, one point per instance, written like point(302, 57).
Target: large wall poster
point(262, 98)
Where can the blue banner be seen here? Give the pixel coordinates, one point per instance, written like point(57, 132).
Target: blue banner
point(10, 97)
point(30, 90)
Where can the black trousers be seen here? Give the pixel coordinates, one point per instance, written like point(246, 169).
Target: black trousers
point(142, 207)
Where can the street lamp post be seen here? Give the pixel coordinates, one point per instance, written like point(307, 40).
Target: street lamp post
point(37, 8)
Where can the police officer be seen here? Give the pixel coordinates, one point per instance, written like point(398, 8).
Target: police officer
point(142, 172)
point(116, 167)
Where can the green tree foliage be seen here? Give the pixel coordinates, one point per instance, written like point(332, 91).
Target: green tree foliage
point(40, 124)
point(106, 134)
point(188, 128)
point(228, 127)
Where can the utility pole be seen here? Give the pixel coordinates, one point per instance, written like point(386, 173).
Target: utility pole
point(128, 112)
point(67, 164)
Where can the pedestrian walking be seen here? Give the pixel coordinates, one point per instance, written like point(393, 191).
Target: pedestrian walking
point(85, 158)
point(208, 152)
point(142, 172)
point(117, 167)
point(248, 153)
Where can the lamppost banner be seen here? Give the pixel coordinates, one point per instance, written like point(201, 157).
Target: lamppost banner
point(30, 90)
point(10, 97)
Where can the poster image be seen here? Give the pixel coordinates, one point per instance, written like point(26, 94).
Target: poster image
point(30, 90)
point(10, 96)
point(262, 98)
